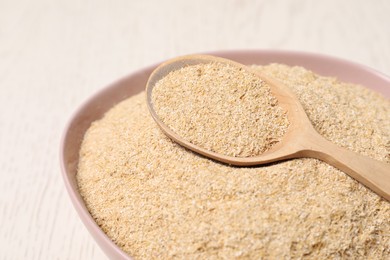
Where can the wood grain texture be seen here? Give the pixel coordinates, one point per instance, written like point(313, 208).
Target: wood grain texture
point(55, 54)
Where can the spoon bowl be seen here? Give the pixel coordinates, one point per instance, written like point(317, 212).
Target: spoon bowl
point(300, 140)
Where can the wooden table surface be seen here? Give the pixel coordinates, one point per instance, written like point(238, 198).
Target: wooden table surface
point(55, 54)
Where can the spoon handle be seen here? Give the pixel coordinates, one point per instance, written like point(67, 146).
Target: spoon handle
point(372, 173)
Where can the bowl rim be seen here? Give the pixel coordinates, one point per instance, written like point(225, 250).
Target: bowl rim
point(104, 242)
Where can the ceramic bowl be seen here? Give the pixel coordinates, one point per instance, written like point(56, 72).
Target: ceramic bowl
point(99, 103)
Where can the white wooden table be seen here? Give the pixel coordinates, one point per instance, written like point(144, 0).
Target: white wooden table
point(55, 54)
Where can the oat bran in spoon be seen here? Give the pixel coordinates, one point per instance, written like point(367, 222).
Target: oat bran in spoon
point(221, 108)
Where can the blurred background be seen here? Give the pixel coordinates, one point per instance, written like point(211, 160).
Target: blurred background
point(55, 54)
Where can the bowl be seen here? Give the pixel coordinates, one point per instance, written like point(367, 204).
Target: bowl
point(95, 107)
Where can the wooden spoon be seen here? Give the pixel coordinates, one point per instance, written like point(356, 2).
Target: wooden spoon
point(301, 139)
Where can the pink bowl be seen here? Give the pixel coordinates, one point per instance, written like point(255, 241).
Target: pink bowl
point(98, 104)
